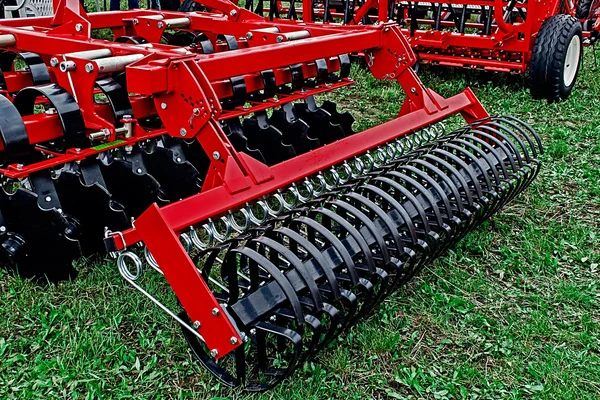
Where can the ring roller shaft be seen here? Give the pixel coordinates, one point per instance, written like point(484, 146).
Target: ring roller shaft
point(361, 241)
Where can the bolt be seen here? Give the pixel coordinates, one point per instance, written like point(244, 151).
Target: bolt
point(78, 27)
point(233, 340)
point(183, 132)
point(196, 325)
point(214, 353)
point(48, 199)
point(139, 170)
point(126, 118)
point(216, 155)
point(245, 338)
point(53, 62)
point(51, 111)
point(163, 106)
point(2, 229)
point(196, 111)
point(249, 35)
point(413, 90)
point(160, 25)
point(215, 311)
point(89, 68)
point(233, 13)
point(386, 29)
point(178, 159)
point(279, 39)
point(136, 21)
point(19, 166)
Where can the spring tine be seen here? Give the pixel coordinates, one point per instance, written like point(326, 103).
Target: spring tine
point(450, 223)
point(372, 235)
point(372, 280)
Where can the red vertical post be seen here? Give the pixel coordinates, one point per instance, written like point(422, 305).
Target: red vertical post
point(187, 283)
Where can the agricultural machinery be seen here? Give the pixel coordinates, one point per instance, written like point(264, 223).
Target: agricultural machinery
point(544, 37)
point(191, 148)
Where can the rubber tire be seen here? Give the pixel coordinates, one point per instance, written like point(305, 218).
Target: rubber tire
point(546, 80)
point(191, 6)
point(583, 8)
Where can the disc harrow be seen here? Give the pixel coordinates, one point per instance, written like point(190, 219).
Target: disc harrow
point(195, 146)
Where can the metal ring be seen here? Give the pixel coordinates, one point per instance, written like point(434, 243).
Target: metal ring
point(399, 147)
point(309, 188)
point(348, 171)
point(336, 179)
point(294, 191)
point(279, 210)
point(359, 165)
point(322, 183)
point(187, 242)
point(198, 242)
point(371, 162)
point(237, 227)
point(150, 258)
point(258, 221)
point(380, 157)
point(217, 234)
point(124, 269)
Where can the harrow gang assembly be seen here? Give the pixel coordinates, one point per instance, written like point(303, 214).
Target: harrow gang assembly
point(511, 36)
point(193, 144)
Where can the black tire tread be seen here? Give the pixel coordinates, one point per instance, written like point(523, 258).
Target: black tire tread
point(583, 8)
point(191, 6)
point(549, 51)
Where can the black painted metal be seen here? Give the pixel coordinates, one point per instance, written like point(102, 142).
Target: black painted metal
point(323, 267)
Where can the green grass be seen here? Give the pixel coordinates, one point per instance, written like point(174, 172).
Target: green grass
point(512, 312)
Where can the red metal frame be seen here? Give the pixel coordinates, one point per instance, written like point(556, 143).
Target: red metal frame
point(507, 49)
point(186, 88)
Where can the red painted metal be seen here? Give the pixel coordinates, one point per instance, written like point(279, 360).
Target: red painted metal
point(186, 88)
point(507, 48)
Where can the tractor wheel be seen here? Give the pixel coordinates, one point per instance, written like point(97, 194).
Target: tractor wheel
point(556, 58)
point(582, 11)
point(191, 6)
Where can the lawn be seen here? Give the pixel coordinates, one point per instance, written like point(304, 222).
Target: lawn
point(512, 312)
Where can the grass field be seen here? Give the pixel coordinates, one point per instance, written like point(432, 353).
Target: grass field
point(512, 312)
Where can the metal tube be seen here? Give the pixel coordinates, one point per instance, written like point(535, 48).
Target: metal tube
point(297, 35)
point(91, 54)
point(178, 22)
point(7, 41)
point(268, 30)
point(117, 64)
